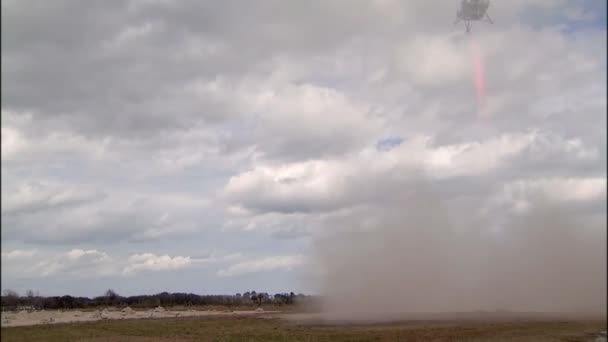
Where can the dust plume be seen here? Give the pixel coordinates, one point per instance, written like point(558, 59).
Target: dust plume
point(419, 256)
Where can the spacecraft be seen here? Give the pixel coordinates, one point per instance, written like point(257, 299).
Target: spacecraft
point(473, 10)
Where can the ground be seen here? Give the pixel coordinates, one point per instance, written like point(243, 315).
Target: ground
point(272, 327)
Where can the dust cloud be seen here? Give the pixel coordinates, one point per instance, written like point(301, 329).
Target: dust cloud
point(409, 256)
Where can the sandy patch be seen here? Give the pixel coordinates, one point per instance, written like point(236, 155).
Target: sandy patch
point(24, 318)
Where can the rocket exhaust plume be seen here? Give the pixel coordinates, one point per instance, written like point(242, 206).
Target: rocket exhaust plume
point(478, 75)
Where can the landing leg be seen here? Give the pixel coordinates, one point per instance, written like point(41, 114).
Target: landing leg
point(489, 19)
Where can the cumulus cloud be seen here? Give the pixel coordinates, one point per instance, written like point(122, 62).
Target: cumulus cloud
point(151, 262)
point(76, 263)
point(12, 142)
point(229, 125)
point(273, 263)
point(79, 253)
point(80, 215)
point(93, 263)
point(29, 198)
point(328, 185)
point(280, 225)
point(578, 196)
point(560, 189)
point(154, 263)
point(18, 254)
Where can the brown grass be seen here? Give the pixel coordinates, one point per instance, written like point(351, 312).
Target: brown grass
point(267, 328)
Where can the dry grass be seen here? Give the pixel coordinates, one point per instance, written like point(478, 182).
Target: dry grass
point(264, 328)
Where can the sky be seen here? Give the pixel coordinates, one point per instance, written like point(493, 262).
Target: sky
point(206, 147)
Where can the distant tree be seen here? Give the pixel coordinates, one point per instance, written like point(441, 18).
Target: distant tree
point(10, 299)
point(280, 299)
point(265, 298)
point(110, 297)
point(10, 293)
point(110, 293)
point(67, 302)
point(257, 299)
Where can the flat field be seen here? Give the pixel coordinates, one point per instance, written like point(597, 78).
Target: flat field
point(273, 327)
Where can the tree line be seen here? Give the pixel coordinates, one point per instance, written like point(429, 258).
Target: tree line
point(10, 300)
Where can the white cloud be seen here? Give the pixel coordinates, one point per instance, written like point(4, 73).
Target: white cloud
point(475, 158)
point(22, 141)
point(12, 143)
point(76, 263)
point(575, 195)
point(92, 263)
point(286, 120)
point(571, 189)
point(152, 262)
point(130, 34)
point(304, 184)
point(92, 253)
point(155, 263)
point(554, 190)
point(279, 225)
point(434, 61)
point(327, 185)
point(18, 254)
point(80, 214)
point(37, 196)
point(284, 263)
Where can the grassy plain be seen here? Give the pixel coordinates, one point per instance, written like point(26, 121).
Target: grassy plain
point(272, 328)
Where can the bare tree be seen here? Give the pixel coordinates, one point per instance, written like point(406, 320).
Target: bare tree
point(110, 294)
point(10, 293)
point(110, 297)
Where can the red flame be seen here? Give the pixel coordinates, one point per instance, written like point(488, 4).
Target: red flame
point(478, 74)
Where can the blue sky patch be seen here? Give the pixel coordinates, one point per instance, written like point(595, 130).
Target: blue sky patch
point(388, 143)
